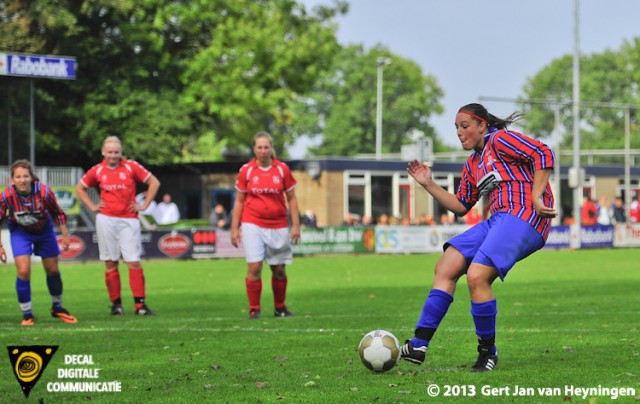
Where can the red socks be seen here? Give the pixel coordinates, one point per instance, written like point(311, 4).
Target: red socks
point(279, 286)
point(136, 282)
point(254, 290)
point(112, 280)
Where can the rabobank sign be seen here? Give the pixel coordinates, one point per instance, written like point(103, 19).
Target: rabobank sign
point(51, 67)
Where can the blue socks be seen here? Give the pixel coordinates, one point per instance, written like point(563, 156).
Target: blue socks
point(484, 317)
point(433, 311)
point(23, 287)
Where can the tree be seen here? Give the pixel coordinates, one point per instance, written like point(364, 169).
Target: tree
point(342, 106)
point(607, 78)
point(175, 80)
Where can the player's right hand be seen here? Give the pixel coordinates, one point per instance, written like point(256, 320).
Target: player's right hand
point(420, 172)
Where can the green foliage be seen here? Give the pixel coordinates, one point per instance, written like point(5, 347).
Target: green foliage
point(342, 105)
point(180, 81)
point(607, 78)
point(564, 319)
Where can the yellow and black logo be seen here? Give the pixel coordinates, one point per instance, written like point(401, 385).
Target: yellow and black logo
point(29, 362)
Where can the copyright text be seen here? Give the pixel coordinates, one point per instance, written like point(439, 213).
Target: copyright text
point(447, 390)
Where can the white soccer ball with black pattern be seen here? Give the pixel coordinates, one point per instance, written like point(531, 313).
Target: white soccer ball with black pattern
point(379, 350)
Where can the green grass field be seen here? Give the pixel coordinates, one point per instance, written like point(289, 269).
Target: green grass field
point(566, 318)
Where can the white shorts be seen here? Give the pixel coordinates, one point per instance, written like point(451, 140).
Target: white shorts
point(272, 245)
point(117, 237)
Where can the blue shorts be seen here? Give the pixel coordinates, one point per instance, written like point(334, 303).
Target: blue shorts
point(43, 243)
point(499, 242)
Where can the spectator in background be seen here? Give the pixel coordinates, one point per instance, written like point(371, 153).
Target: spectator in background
point(219, 217)
point(472, 217)
point(383, 219)
point(140, 201)
point(605, 213)
point(352, 219)
point(446, 219)
point(309, 219)
point(367, 220)
point(166, 212)
point(589, 212)
point(619, 215)
point(634, 210)
point(426, 220)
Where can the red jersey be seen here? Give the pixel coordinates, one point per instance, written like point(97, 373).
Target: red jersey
point(265, 188)
point(117, 186)
point(32, 212)
point(504, 170)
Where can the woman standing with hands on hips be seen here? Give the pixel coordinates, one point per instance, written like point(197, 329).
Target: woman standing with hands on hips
point(117, 223)
point(513, 170)
point(31, 208)
point(264, 189)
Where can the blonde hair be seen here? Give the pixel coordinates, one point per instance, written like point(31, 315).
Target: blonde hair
point(111, 139)
point(114, 140)
point(267, 136)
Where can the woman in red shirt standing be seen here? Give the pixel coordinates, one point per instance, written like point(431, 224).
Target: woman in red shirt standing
point(117, 223)
point(264, 189)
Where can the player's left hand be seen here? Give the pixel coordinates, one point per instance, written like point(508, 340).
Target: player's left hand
point(295, 235)
point(65, 243)
point(543, 210)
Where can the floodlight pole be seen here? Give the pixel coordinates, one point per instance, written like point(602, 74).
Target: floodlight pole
point(32, 125)
point(577, 191)
point(381, 62)
point(627, 163)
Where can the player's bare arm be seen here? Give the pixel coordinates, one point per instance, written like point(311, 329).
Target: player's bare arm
point(235, 219)
point(540, 180)
point(292, 202)
point(81, 191)
point(421, 173)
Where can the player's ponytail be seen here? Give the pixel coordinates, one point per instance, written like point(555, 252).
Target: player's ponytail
point(480, 113)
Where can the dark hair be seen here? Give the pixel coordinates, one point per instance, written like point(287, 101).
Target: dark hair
point(27, 166)
point(479, 113)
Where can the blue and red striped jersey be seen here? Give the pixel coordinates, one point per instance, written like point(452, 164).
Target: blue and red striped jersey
point(32, 211)
point(504, 171)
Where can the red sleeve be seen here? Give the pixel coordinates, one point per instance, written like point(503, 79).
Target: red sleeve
point(524, 148)
point(467, 192)
point(89, 179)
point(289, 181)
point(241, 180)
point(140, 173)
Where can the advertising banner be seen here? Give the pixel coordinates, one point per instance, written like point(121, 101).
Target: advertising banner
point(83, 245)
point(67, 199)
point(627, 235)
point(336, 240)
point(596, 236)
point(414, 239)
point(559, 237)
point(51, 67)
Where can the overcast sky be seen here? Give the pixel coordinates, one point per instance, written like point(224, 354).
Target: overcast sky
point(484, 48)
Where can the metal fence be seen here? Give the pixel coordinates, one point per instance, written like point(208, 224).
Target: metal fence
point(52, 176)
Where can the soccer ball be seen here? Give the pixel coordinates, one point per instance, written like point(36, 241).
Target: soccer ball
point(379, 350)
